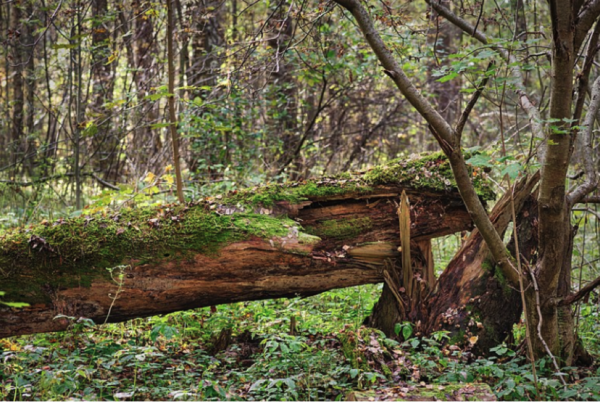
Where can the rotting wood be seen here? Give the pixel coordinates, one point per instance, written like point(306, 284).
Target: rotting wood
point(252, 269)
point(404, 222)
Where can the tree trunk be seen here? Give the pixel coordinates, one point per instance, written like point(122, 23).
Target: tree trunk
point(153, 261)
point(105, 141)
point(17, 63)
point(147, 142)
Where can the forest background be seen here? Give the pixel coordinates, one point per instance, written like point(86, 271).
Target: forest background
point(265, 92)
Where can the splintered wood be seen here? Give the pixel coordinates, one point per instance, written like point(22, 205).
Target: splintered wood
point(404, 220)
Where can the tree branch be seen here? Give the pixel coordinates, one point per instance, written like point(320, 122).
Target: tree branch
point(525, 102)
point(465, 114)
point(572, 298)
point(590, 200)
point(585, 140)
point(444, 134)
point(584, 76)
point(57, 176)
point(583, 22)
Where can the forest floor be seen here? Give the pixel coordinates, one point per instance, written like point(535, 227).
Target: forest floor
point(287, 349)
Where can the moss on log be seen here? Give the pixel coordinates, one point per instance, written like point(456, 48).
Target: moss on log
point(270, 241)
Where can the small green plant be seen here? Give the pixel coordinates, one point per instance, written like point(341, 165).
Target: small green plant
point(117, 274)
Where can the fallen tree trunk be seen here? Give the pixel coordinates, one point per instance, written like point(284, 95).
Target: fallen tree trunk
point(275, 241)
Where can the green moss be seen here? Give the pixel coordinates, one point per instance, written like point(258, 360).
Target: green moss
point(295, 192)
point(341, 229)
point(73, 252)
point(488, 265)
point(431, 172)
point(304, 238)
point(502, 281)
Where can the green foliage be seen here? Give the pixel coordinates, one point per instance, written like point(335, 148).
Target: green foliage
point(331, 354)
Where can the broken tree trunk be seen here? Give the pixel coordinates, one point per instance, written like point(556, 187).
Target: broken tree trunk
point(471, 299)
point(268, 242)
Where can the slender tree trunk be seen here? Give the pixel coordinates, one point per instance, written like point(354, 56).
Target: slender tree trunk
point(205, 66)
point(442, 38)
point(105, 141)
point(17, 64)
point(171, 101)
point(146, 142)
point(30, 88)
point(5, 128)
point(554, 226)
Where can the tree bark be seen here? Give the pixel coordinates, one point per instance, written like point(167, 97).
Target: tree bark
point(105, 141)
point(17, 63)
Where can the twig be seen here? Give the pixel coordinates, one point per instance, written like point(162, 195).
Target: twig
point(585, 141)
point(54, 177)
point(465, 114)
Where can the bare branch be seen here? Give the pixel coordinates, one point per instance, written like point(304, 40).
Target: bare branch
point(585, 19)
point(584, 291)
point(443, 132)
point(525, 102)
point(465, 114)
point(584, 76)
point(41, 180)
point(585, 142)
point(590, 200)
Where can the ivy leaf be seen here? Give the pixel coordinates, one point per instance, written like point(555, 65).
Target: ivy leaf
point(480, 160)
point(448, 77)
point(407, 331)
point(512, 170)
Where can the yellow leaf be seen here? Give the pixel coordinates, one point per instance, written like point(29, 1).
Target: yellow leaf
point(150, 177)
point(112, 57)
point(169, 179)
point(473, 340)
point(169, 168)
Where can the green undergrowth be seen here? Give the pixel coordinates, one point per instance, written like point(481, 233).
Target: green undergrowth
point(327, 355)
